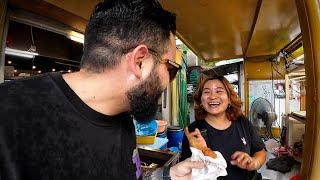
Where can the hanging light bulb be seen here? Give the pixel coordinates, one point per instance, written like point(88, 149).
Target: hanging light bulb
point(15, 71)
point(69, 71)
point(39, 72)
point(9, 62)
point(53, 70)
point(33, 66)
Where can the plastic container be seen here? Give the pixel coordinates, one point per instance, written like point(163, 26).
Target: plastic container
point(146, 139)
point(162, 125)
point(175, 136)
point(164, 147)
point(162, 135)
point(174, 149)
point(162, 158)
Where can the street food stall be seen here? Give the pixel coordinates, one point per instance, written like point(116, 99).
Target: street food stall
point(268, 36)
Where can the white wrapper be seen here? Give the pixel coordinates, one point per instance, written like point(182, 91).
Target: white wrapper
point(214, 167)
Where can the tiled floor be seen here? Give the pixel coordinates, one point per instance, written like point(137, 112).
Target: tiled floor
point(268, 174)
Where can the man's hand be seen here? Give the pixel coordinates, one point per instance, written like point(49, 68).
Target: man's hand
point(182, 170)
point(245, 161)
point(195, 139)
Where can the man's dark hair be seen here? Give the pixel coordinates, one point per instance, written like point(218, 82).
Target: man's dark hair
point(117, 26)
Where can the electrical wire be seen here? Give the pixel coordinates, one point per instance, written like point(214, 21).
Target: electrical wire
point(276, 69)
point(31, 32)
point(273, 96)
point(32, 44)
point(274, 103)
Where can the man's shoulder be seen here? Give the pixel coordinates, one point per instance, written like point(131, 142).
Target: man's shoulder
point(22, 85)
point(24, 91)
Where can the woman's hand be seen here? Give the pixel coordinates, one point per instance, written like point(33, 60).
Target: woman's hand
point(245, 161)
point(183, 169)
point(195, 139)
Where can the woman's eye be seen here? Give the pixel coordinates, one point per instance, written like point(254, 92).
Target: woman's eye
point(220, 91)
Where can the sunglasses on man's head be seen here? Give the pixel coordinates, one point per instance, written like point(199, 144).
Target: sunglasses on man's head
point(172, 66)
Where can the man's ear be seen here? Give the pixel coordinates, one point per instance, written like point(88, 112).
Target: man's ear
point(136, 58)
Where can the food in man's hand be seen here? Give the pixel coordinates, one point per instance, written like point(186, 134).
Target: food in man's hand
point(208, 152)
point(195, 143)
point(205, 150)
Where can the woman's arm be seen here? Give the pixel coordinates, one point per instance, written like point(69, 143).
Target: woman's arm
point(259, 159)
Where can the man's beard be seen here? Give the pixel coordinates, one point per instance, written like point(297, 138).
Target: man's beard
point(144, 98)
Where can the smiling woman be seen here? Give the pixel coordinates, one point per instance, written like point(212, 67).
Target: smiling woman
point(228, 131)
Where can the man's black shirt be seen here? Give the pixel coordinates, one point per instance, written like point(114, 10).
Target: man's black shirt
point(48, 132)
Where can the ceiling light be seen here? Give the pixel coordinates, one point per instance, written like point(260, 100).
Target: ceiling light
point(9, 62)
point(53, 70)
point(230, 61)
point(69, 71)
point(75, 36)
point(15, 70)
point(19, 53)
point(39, 71)
point(34, 67)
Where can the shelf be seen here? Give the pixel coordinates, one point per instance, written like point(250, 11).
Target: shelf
point(299, 115)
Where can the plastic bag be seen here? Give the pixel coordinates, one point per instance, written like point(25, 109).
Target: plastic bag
point(214, 167)
point(146, 128)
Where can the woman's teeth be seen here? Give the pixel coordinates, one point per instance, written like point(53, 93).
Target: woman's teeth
point(215, 104)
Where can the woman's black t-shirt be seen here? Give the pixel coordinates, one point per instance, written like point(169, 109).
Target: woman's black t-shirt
point(240, 136)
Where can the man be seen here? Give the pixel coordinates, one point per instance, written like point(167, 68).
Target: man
point(79, 125)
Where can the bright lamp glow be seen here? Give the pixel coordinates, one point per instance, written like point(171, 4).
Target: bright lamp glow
point(230, 61)
point(19, 53)
point(75, 36)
